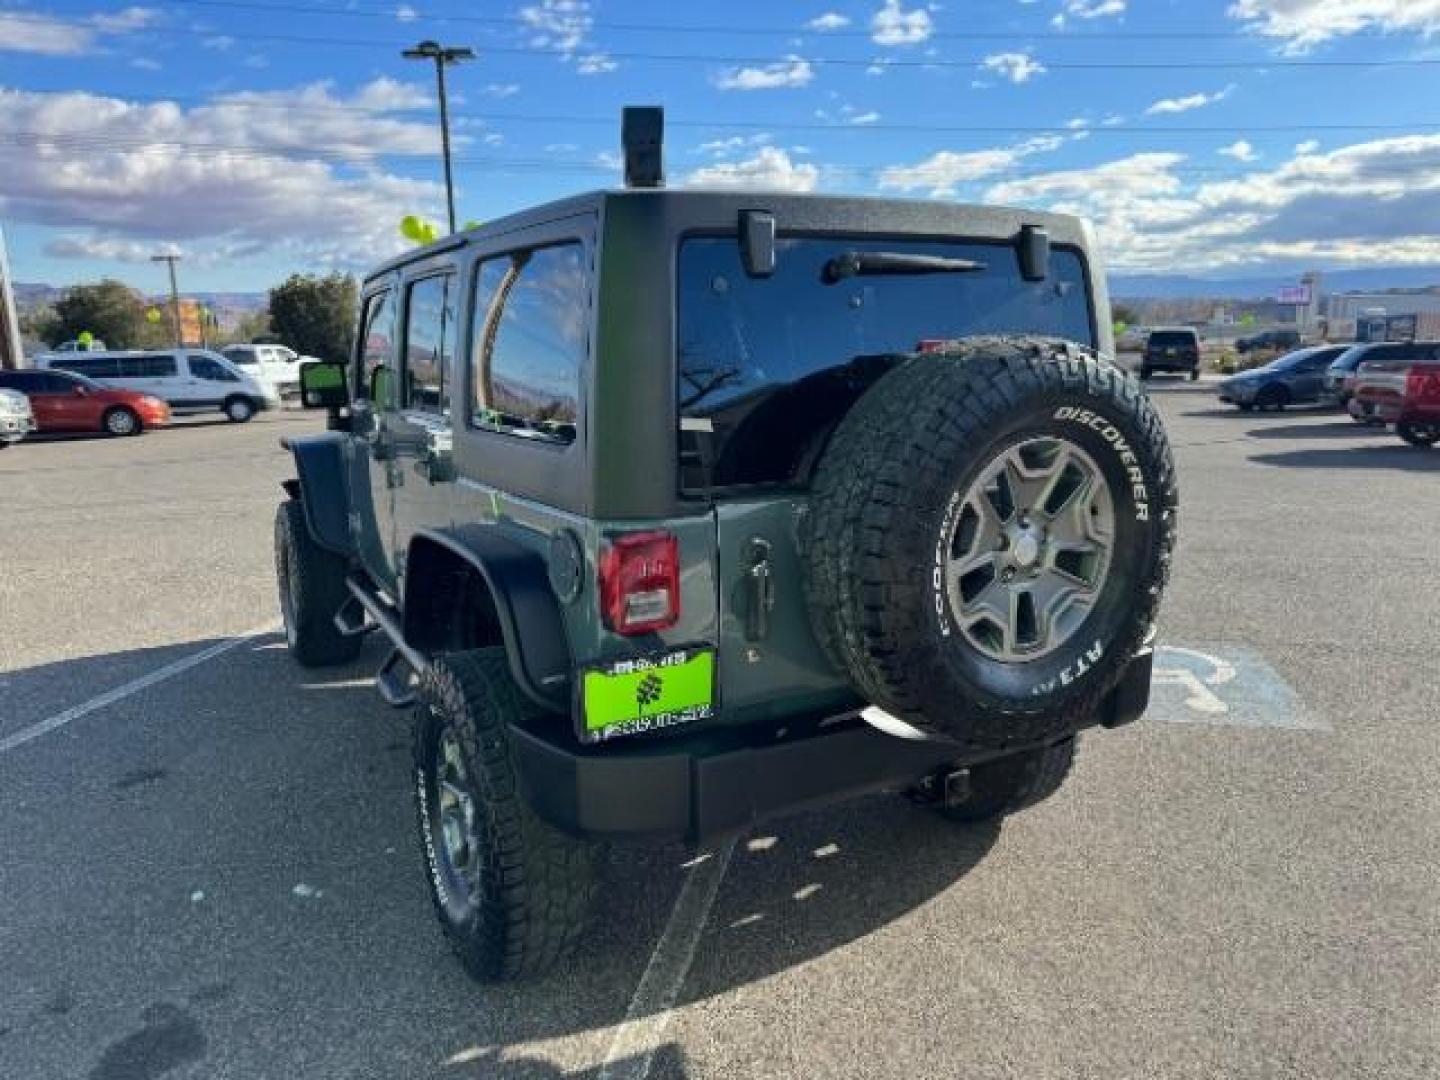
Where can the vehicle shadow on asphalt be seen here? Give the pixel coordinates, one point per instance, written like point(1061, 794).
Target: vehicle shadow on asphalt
point(1335, 429)
point(255, 831)
point(1399, 456)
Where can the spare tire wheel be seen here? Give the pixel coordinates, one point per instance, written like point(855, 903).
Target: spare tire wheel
point(989, 536)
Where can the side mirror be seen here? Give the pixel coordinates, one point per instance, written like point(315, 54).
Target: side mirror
point(81, 391)
point(323, 386)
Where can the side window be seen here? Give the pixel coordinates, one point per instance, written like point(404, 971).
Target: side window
point(429, 343)
point(160, 367)
point(377, 329)
point(528, 343)
point(205, 367)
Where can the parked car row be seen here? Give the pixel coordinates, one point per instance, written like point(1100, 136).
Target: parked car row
point(1376, 383)
point(126, 393)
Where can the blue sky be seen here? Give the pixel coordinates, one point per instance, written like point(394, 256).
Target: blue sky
point(260, 138)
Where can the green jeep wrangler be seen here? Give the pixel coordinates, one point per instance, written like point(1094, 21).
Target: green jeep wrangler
point(682, 509)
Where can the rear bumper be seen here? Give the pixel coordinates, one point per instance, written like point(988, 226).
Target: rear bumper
point(15, 428)
point(719, 783)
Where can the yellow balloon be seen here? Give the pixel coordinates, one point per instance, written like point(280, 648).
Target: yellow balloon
point(412, 228)
point(85, 337)
point(152, 315)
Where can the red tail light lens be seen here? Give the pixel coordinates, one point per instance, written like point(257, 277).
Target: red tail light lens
point(640, 582)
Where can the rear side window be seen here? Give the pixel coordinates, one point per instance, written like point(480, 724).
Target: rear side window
point(529, 341)
point(429, 343)
point(377, 332)
point(1169, 339)
point(766, 362)
point(146, 367)
point(97, 367)
point(206, 367)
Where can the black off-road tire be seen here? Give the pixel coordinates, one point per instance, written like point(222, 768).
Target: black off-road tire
point(1015, 783)
point(1418, 434)
point(886, 497)
point(532, 899)
point(312, 589)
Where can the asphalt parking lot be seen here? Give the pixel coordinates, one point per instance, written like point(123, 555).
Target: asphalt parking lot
point(207, 866)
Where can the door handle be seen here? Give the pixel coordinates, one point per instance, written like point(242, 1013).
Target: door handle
point(759, 589)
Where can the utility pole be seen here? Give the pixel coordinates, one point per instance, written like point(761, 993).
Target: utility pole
point(433, 50)
point(11, 354)
point(171, 260)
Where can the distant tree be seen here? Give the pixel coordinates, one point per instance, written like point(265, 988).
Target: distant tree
point(1124, 313)
point(316, 315)
point(111, 311)
point(252, 326)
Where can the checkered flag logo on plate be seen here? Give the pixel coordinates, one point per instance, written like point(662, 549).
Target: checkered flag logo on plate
point(648, 692)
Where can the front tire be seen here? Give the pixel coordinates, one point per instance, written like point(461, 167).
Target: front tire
point(1272, 398)
point(312, 589)
point(1015, 783)
point(1418, 434)
point(238, 410)
point(121, 421)
point(511, 892)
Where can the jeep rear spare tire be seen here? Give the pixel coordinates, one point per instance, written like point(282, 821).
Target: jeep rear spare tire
point(990, 533)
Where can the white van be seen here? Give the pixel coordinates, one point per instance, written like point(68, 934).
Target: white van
point(188, 380)
point(276, 364)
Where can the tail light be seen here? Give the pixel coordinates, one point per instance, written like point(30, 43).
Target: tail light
point(640, 582)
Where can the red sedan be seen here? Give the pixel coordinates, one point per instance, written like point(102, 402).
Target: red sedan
point(63, 401)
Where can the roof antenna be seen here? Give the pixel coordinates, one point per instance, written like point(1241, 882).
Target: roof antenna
point(642, 137)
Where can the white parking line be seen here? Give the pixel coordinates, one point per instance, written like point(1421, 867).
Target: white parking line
point(134, 686)
point(632, 1051)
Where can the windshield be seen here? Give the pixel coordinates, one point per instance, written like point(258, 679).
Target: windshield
point(76, 377)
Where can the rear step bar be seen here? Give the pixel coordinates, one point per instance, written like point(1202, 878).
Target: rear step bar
point(392, 680)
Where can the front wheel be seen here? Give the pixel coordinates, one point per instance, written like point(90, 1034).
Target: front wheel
point(121, 421)
point(1418, 434)
point(312, 589)
point(1272, 398)
point(238, 410)
point(512, 893)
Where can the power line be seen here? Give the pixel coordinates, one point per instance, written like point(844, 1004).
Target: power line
point(841, 33)
point(240, 101)
point(499, 164)
point(820, 61)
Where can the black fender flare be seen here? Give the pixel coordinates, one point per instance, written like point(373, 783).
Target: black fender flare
point(525, 606)
point(323, 488)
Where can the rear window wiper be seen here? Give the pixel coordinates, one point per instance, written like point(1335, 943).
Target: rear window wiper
point(850, 264)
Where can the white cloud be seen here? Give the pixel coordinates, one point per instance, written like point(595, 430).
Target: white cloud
point(721, 148)
point(1191, 101)
point(145, 63)
point(406, 13)
point(1366, 204)
point(127, 20)
point(831, 20)
point(1094, 9)
point(27, 33)
point(771, 169)
point(597, 63)
point(1302, 24)
point(1309, 146)
point(113, 173)
point(791, 72)
point(1240, 150)
point(940, 174)
point(501, 90)
point(1018, 67)
point(870, 117)
point(563, 25)
point(219, 42)
point(893, 25)
point(45, 35)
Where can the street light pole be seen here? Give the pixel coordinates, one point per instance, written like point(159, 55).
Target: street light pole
point(434, 51)
point(171, 260)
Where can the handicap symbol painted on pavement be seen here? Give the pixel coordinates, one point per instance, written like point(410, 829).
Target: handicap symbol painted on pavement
point(1230, 686)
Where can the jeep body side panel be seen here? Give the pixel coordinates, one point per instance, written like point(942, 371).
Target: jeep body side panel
point(525, 605)
point(320, 463)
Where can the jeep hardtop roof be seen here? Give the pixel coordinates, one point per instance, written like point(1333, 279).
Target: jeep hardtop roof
point(699, 210)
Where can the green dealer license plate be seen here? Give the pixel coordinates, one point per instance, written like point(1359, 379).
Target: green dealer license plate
point(626, 697)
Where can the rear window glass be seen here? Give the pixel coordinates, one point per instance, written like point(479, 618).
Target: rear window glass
point(763, 361)
point(97, 367)
point(1169, 338)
